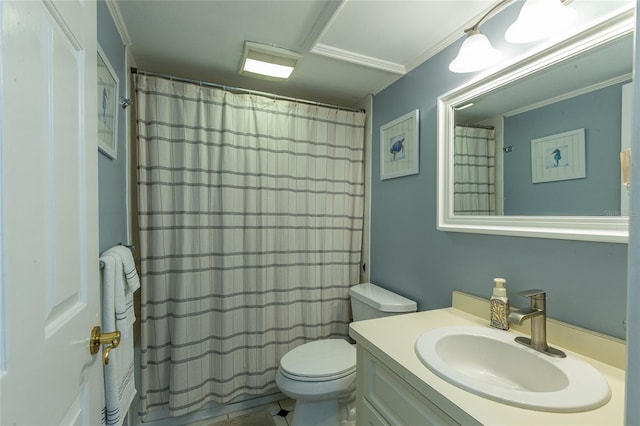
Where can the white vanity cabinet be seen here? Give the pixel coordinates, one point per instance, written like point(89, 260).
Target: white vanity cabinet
point(395, 388)
point(386, 399)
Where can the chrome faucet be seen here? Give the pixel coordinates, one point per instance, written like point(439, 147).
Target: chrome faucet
point(537, 313)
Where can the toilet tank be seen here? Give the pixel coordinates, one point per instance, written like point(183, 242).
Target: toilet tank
point(370, 301)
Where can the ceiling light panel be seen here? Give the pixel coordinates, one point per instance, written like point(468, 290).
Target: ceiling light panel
point(267, 62)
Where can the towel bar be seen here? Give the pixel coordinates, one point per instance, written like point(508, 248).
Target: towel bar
point(129, 246)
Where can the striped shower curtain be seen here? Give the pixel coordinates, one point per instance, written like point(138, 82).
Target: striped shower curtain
point(250, 218)
point(474, 179)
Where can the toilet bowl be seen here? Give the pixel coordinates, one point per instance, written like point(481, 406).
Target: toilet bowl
point(321, 375)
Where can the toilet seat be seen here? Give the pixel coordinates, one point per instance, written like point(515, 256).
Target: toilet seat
point(319, 361)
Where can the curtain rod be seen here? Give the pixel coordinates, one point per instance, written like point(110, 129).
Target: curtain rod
point(242, 90)
point(476, 126)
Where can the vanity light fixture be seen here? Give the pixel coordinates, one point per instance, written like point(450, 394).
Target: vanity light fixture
point(267, 62)
point(539, 19)
point(476, 52)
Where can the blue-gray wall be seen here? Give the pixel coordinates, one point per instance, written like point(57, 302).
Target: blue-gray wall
point(112, 173)
point(599, 113)
point(586, 282)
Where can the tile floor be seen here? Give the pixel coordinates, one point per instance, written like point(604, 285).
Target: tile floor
point(282, 412)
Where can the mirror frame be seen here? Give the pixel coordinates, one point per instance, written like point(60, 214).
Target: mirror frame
point(583, 228)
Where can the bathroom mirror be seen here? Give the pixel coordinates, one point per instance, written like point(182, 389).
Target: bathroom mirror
point(533, 150)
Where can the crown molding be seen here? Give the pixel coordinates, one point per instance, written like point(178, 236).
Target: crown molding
point(592, 88)
point(356, 58)
point(321, 25)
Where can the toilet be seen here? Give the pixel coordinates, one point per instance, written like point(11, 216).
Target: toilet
point(321, 375)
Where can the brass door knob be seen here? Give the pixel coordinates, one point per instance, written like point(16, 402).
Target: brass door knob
point(98, 338)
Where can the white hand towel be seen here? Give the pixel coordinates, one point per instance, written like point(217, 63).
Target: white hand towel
point(125, 314)
point(133, 280)
point(117, 314)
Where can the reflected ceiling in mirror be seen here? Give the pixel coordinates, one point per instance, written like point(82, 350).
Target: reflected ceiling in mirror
point(599, 66)
point(534, 149)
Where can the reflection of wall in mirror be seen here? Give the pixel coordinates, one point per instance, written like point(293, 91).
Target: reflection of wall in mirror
point(599, 113)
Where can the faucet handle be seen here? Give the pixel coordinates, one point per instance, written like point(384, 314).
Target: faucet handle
point(532, 293)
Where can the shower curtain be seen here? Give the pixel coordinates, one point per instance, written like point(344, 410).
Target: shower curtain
point(474, 190)
point(250, 218)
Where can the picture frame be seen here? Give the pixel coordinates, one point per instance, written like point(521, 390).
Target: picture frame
point(108, 91)
point(400, 147)
point(558, 157)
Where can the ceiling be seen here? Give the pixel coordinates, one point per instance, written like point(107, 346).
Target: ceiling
point(350, 48)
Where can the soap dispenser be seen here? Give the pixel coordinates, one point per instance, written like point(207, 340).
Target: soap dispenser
point(499, 305)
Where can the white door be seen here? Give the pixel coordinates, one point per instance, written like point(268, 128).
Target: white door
point(49, 276)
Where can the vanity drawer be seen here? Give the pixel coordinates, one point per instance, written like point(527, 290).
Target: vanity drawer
point(391, 397)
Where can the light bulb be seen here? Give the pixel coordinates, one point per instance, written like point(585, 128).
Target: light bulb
point(539, 19)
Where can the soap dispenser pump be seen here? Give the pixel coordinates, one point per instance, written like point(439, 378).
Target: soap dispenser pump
point(499, 303)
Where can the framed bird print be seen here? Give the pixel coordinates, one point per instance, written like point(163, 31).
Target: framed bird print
point(107, 107)
point(399, 146)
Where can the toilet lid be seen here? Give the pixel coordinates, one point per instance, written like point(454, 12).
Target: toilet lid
point(320, 360)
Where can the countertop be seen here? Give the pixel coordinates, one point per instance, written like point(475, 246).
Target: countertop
point(392, 340)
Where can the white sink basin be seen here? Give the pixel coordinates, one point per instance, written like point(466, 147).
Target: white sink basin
point(489, 363)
